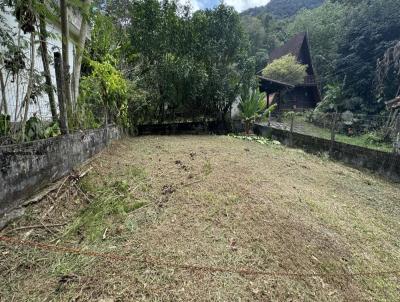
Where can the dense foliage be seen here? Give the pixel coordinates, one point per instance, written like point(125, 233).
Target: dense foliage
point(186, 65)
point(324, 26)
point(283, 8)
point(369, 30)
point(286, 69)
point(151, 60)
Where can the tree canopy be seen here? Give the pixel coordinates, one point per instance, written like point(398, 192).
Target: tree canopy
point(286, 69)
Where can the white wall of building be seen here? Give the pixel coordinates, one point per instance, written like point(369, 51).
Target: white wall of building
point(42, 106)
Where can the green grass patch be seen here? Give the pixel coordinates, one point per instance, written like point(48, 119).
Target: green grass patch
point(111, 203)
point(207, 168)
point(68, 264)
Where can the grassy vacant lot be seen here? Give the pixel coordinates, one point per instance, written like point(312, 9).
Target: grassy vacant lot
point(157, 203)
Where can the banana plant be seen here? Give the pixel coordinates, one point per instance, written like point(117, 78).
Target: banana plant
point(253, 107)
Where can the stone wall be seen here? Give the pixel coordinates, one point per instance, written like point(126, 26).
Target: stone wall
point(27, 168)
point(384, 163)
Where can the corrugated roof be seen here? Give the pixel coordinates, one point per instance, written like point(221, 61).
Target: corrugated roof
point(293, 46)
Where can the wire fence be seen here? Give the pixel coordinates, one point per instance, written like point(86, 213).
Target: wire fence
point(379, 132)
point(160, 263)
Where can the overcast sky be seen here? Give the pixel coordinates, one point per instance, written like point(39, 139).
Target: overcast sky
point(240, 5)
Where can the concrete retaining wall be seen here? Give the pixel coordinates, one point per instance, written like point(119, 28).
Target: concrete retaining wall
point(384, 163)
point(27, 168)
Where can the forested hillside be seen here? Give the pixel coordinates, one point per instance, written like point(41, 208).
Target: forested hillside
point(282, 8)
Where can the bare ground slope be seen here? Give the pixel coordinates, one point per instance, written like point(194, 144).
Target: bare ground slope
point(163, 206)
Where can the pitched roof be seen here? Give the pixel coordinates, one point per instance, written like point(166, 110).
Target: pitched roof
point(293, 46)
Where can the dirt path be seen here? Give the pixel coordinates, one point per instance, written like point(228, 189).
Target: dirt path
point(191, 218)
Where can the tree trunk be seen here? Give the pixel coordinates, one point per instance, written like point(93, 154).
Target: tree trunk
point(80, 50)
point(65, 56)
point(247, 127)
point(30, 85)
point(46, 67)
point(60, 91)
point(17, 81)
point(3, 104)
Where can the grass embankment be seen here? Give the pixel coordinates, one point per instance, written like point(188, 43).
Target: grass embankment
point(217, 202)
point(363, 140)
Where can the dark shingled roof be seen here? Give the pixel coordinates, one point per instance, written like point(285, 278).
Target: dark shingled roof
point(293, 46)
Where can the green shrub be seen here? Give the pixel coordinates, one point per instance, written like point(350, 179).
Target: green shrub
point(35, 129)
point(4, 124)
point(286, 69)
point(104, 93)
point(374, 138)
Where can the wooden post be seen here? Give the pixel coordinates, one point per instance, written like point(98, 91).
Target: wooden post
point(333, 132)
point(60, 92)
point(267, 100)
point(291, 128)
point(396, 143)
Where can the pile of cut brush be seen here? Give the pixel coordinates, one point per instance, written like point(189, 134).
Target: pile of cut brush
point(46, 214)
point(258, 139)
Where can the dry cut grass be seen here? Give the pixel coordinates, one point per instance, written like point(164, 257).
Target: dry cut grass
point(210, 201)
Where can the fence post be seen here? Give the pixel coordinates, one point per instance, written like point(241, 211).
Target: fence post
point(333, 132)
point(291, 129)
point(396, 143)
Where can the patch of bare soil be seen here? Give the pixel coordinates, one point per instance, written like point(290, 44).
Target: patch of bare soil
point(199, 218)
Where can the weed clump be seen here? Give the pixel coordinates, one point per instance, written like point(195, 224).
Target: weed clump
point(109, 207)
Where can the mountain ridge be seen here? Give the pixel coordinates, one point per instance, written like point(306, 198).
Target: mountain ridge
point(282, 8)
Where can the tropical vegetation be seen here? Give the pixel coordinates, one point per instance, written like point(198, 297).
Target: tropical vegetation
point(159, 61)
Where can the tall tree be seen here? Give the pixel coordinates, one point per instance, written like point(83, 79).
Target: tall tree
point(324, 26)
point(46, 65)
point(65, 56)
point(80, 49)
point(369, 29)
point(29, 89)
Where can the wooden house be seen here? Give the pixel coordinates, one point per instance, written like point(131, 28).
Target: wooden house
point(288, 96)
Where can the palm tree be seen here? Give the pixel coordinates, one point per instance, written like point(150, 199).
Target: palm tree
point(253, 107)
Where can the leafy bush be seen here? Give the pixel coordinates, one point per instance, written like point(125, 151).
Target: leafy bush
point(286, 69)
point(374, 138)
point(104, 94)
point(37, 129)
point(253, 107)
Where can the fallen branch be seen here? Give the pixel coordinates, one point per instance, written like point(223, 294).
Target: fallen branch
point(62, 184)
point(192, 183)
point(47, 212)
point(38, 226)
point(83, 193)
point(85, 172)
